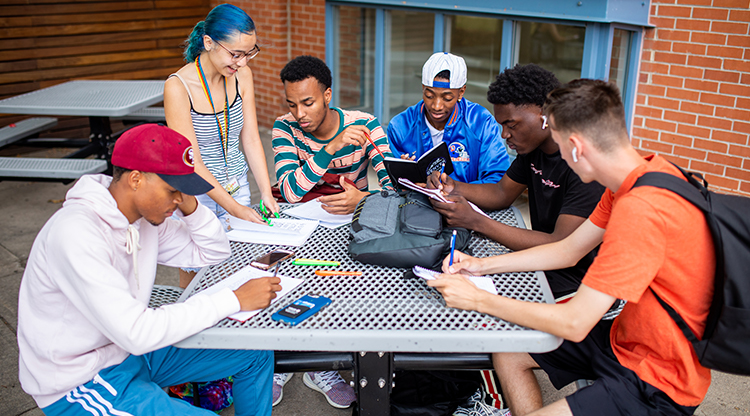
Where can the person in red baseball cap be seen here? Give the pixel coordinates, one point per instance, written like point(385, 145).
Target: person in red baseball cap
point(86, 336)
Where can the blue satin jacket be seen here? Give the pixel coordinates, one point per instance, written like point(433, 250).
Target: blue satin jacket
point(472, 135)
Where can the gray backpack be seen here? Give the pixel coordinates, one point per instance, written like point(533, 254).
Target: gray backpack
point(401, 230)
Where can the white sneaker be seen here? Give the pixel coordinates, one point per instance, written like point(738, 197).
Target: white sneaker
point(279, 380)
point(338, 394)
point(480, 408)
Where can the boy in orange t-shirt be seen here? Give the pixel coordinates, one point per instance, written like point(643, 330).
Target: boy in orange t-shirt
point(651, 241)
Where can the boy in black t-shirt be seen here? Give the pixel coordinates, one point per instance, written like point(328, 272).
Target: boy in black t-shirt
point(558, 201)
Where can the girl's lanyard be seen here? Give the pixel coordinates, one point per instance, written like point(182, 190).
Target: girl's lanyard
point(223, 134)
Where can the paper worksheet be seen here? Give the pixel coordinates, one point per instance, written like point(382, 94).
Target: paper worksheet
point(248, 273)
point(435, 194)
point(482, 282)
point(285, 232)
point(313, 210)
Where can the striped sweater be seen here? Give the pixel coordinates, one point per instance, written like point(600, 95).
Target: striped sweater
point(301, 162)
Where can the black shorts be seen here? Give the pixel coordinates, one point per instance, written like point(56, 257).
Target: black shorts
point(616, 390)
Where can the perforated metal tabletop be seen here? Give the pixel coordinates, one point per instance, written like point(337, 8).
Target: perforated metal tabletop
point(87, 98)
point(378, 311)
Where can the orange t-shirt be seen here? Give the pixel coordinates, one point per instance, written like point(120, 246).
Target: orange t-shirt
point(656, 239)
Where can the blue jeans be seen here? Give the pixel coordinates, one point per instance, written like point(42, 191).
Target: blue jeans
point(134, 387)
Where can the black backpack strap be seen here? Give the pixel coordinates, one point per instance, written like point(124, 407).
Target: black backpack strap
point(691, 191)
point(677, 319)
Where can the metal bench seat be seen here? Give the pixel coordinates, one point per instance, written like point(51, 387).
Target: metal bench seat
point(21, 168)
point(154, 114)
point(25, 128)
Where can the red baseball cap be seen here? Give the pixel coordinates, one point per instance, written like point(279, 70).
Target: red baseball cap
point(158, 149)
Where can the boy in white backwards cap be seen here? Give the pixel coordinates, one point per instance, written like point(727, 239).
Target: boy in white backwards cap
point(473, 137)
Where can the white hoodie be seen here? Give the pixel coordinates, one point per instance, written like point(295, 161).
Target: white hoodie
point(83, 302)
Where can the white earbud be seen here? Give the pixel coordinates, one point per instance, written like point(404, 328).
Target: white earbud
point(574, 154)
point(544, 122)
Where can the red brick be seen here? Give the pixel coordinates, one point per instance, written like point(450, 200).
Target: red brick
point(637, 121)
point(675, 35)
point(643, 78)
point(729, 27)
point(734, 89)
point(646, 133)
point(660, 125)
point(722, 182)
point(686, 71)
point(693, 131)
point(662, 22)
point(656, 146)
point(745, 79)
point(694, 24)
point(698, 108)
point(732, 113)
point(635, 142)
point(695, 84)
point(732, 4)
point(689, 48)
point(663, 46)
point(690, 152)
point(654, 67)
point(745, 187)
point(679, 161)
point(663, 103)
point(676, 139)
point(746, 164)
point(683, 94)
point(728, 136)
point(710, 13)
point(715, 122)
point(695, 2)
point(706, 168)
point(717, 99)
point(652, 90)
point(649, 111)
point(743, 103)
point(704, 61)
point(666, 80)
point(710, 145)
point(741, 151)
point(640, 99)
point(741, 174)
point(739, 15)
point(725, 76)
point(710, 38)
point(742, 41)
point(725, 52)
point(741, 127)
point(672, 58)
point(675, 11)
point(725, 160)
point(680, 117)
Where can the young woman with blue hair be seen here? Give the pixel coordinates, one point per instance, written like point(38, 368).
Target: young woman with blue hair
point(211, 101)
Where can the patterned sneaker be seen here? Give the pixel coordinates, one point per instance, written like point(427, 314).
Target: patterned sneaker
point(279, 380)
point(481, 408)
point(334, 388)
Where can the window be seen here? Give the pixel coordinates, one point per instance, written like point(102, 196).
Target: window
point(355, 67)
point(553, 46)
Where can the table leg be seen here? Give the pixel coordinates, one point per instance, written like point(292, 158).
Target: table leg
point(373, 378)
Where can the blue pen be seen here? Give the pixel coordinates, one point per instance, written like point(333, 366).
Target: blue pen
point(453, 247)
point(440, 181)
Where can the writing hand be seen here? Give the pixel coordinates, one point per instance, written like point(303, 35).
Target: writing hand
point(459, 213)
point(462, 263)
point(443, 182)
point(257, 293)
point(352, 135)
point(406, 156)
point(458, 291)
point(246, 213)
point(344, 202)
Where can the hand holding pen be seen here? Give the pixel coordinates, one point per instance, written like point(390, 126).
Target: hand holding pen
point(266, 214)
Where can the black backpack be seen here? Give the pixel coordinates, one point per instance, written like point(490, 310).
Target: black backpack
point(726, 340)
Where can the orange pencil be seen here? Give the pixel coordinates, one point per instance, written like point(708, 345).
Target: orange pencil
point(336, 273)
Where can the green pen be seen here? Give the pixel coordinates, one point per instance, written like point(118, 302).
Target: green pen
point(264, 213)
point(313, 262)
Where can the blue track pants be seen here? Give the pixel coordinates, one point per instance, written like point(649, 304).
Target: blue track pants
point(135, 387)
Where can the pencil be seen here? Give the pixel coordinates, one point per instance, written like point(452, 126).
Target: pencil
point(373, 144)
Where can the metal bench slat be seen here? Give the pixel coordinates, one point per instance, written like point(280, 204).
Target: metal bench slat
point(146, 114)
point(25, 128)
point(21, 167)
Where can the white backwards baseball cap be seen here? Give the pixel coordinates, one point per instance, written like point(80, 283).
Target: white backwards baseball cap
point(440, 61)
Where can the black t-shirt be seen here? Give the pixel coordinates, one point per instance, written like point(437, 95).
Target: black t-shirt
point(554, 189)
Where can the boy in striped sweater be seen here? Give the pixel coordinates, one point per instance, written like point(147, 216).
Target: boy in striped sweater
point(313, 140)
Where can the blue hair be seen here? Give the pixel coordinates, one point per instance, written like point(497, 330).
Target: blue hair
point(222, 23)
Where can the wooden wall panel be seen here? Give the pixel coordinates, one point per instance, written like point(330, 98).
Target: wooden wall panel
point(47, 42)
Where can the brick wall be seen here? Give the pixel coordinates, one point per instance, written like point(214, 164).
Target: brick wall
point(307, 38)
point(693, 103)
